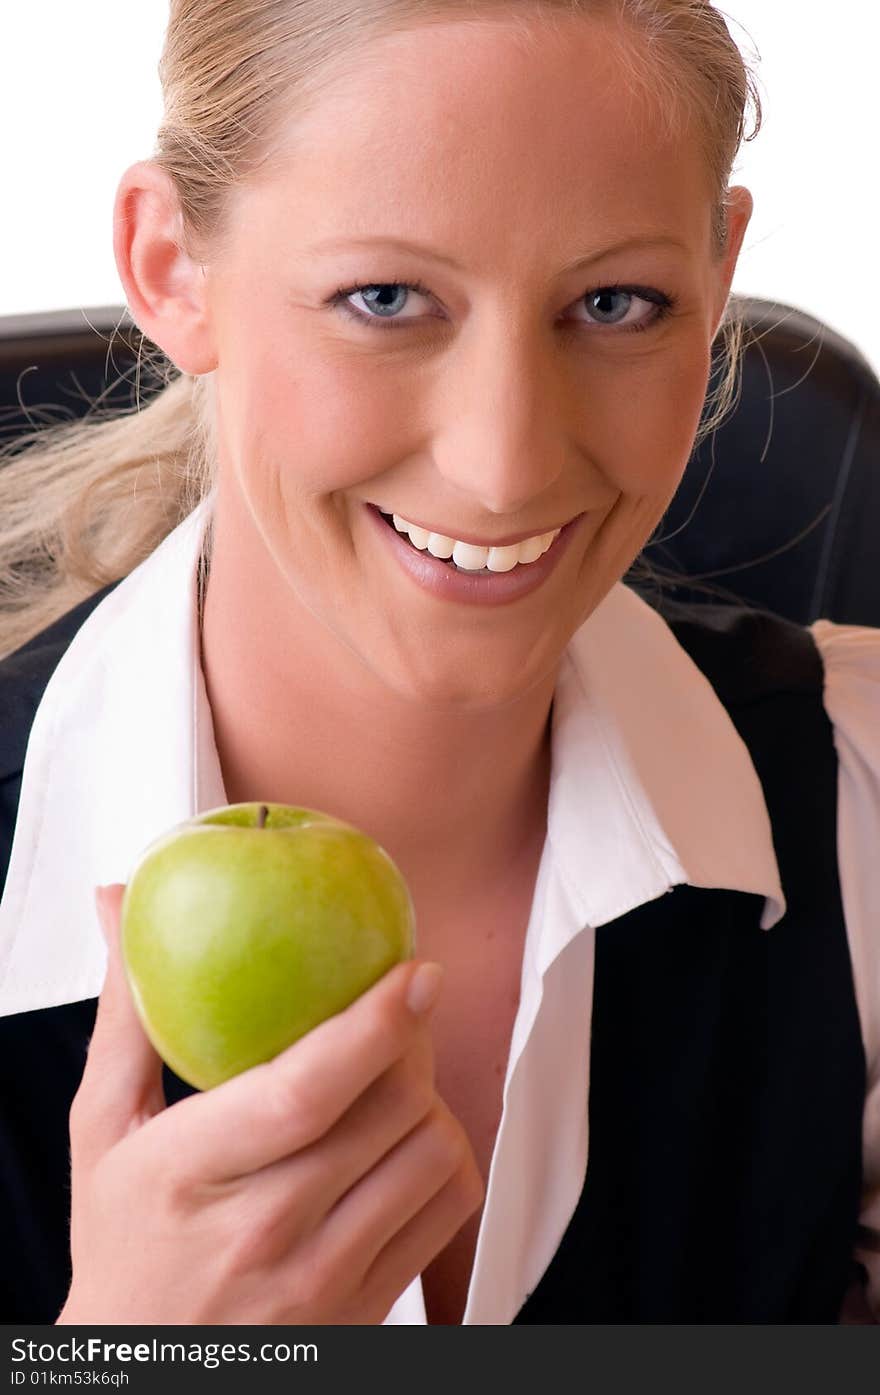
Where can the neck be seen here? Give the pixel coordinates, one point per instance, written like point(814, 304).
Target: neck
point(456, 798)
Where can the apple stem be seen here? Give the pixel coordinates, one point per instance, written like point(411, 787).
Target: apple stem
point(262, 816)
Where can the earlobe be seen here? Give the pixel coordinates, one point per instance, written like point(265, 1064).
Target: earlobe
point(165, 288)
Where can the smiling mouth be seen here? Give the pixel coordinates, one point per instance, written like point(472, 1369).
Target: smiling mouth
point(448, 561)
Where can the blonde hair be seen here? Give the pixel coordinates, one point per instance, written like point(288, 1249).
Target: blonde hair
point(109, 487)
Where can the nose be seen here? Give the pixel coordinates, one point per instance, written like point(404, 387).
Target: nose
point(507, 443)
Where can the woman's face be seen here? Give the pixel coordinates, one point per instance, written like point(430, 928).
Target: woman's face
point(503, 398)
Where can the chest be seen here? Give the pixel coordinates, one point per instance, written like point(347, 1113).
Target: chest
point(471, 1032)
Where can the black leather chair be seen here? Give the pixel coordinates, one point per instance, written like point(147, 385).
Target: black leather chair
point(55, 364)
point(780, 508)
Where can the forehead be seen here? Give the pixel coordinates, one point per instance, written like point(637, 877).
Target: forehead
point(490, 138)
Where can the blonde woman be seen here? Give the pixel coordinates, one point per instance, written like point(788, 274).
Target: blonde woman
point(442, 284)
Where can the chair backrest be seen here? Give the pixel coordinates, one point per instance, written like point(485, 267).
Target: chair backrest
point(55, 363)
point(780, 508)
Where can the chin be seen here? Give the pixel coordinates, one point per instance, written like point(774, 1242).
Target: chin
point(459, 686)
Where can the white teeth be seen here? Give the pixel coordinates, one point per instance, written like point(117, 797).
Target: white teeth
point(533, 548)
point(504, 559)
point(419, 536)
point(439, 546)
point(471, 558)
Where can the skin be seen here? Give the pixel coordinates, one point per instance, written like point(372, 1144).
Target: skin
point(497, 406)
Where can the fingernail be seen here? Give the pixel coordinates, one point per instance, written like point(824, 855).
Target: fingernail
point(424, 986)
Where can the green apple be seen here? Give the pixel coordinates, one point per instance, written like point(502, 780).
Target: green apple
point(246, 926)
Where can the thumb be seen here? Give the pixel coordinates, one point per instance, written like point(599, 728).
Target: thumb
point(122, 1079)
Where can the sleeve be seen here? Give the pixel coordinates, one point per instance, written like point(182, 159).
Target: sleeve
point(851, 655)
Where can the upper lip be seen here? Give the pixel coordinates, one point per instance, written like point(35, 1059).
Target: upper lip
point(478, 542)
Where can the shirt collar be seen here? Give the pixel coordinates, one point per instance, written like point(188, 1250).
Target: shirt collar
point(646, 792)
point(651, 757)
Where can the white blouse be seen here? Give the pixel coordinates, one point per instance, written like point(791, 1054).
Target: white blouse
point(122, 748)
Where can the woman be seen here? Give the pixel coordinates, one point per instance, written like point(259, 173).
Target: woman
point(443, 285)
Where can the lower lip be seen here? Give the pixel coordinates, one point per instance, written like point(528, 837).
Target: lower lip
point(480, 588)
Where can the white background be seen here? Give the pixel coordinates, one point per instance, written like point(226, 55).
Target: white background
point(80, 100)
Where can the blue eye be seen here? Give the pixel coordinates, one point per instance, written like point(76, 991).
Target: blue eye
point(375, 296)
point(377, 299)
point(612, 306)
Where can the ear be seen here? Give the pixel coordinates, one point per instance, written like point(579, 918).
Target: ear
point(166, 290)
point(740, 205)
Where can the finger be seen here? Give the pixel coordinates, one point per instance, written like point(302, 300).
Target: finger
point(411, 1250)
point(121, 1085)
point(384, 1201)
point(316, 1177)
point(275, 1109)
point(378, 1120)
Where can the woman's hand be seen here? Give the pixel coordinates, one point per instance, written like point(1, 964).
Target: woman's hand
point(310, 1189)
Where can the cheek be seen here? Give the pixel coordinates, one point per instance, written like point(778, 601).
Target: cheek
point(304, 413)
point(644, 417)
point(316, 424)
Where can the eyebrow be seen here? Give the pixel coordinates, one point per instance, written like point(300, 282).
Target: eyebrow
point(630, 244)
